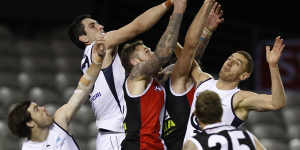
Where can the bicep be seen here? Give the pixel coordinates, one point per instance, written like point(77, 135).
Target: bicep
point(189, 145)
point(257, 102)
point(116, 37)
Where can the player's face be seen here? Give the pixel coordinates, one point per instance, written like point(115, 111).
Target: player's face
point(40, 115)
point(143, 53)
point(92, 28)
point(233, 67)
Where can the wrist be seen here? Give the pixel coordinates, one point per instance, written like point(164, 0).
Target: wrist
point(168, 3)
point(273, 66)
point(206, 33)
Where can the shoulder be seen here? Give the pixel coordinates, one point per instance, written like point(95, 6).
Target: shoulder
point(192, 144)
point(243, 94)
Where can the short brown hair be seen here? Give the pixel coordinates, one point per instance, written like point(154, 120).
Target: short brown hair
point(17, 119)
point(250, 63)
point(208, 107)
point(126, 53)
point(76, 29)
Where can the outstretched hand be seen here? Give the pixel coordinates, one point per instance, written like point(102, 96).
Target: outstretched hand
point(215, 17)
point(273, 55)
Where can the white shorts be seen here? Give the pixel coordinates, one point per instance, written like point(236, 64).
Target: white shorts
point(109, 140)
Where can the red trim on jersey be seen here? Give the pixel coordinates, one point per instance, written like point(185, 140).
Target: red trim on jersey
point(151, 104)
point(190, 96)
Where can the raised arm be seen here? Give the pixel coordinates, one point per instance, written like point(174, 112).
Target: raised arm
point(65, 113)
point(181, 74)
point(264, 102)
point(139, 25)
point(213, 21)
point(165, 46)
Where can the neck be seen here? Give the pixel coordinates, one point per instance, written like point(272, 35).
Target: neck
point(202, 125)
point(225, 85)
point(39, 134)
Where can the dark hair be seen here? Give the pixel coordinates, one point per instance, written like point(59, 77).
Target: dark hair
point(250, 63)
point(126, 52)
point(208, 107)
point(76, 29)
point(17, 119)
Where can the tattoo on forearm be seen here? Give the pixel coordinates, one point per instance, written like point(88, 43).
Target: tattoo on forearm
point(202, 47)
point(167, 43)
point(164, 49)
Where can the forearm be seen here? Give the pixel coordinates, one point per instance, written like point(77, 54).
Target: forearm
point(204, 40)
point(196, 28)
point(278, 93)
point(85, 85)
point(146, 20)
point(167, 43)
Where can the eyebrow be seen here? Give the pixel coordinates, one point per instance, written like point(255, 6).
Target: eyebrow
point(237, 59)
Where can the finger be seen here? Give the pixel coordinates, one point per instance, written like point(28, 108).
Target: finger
point(282, 47)
point(221, 20)
point(275, 45)
point(218, 8)
point(214, 7)
point(268, 50)
point(221, 13)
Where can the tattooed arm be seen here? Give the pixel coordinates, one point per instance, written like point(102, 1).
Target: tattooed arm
point(164, 48)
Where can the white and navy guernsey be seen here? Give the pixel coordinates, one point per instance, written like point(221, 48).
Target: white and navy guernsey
point(229, 117)
point(107, 96)
point(58, 139)
point(219, 136)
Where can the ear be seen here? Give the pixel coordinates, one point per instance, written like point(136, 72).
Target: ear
point(134, 61)
point(30, 124)
point(83, 38)
point(244, 76)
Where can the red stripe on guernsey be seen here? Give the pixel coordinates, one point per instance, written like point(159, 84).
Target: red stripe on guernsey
point(151, 105)
point(190, 96)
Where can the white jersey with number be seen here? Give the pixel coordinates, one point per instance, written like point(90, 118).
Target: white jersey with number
point(229, 117)
point(223, 137)
point(107, 97)
point(58, 139)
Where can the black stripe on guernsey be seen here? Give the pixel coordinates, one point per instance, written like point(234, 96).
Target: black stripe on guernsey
point(69, 135)
point(109, 77)
point(236, 121)
point(86, 61)
point(132, 121)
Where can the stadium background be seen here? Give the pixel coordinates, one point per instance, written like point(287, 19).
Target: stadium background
point(38, 61)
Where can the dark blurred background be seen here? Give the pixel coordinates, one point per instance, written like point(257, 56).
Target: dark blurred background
point(38, 61)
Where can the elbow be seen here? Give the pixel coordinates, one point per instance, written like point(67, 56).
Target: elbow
point(279, 106)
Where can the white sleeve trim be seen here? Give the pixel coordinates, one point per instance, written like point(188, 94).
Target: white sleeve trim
point(179, 94)
point(139, 95)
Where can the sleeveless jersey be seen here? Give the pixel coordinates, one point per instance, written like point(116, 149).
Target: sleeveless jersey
point(58, 139)
point(219, 136)
point(229, 117)
point(144, 119)
point(178, 108)
point(107, 97)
